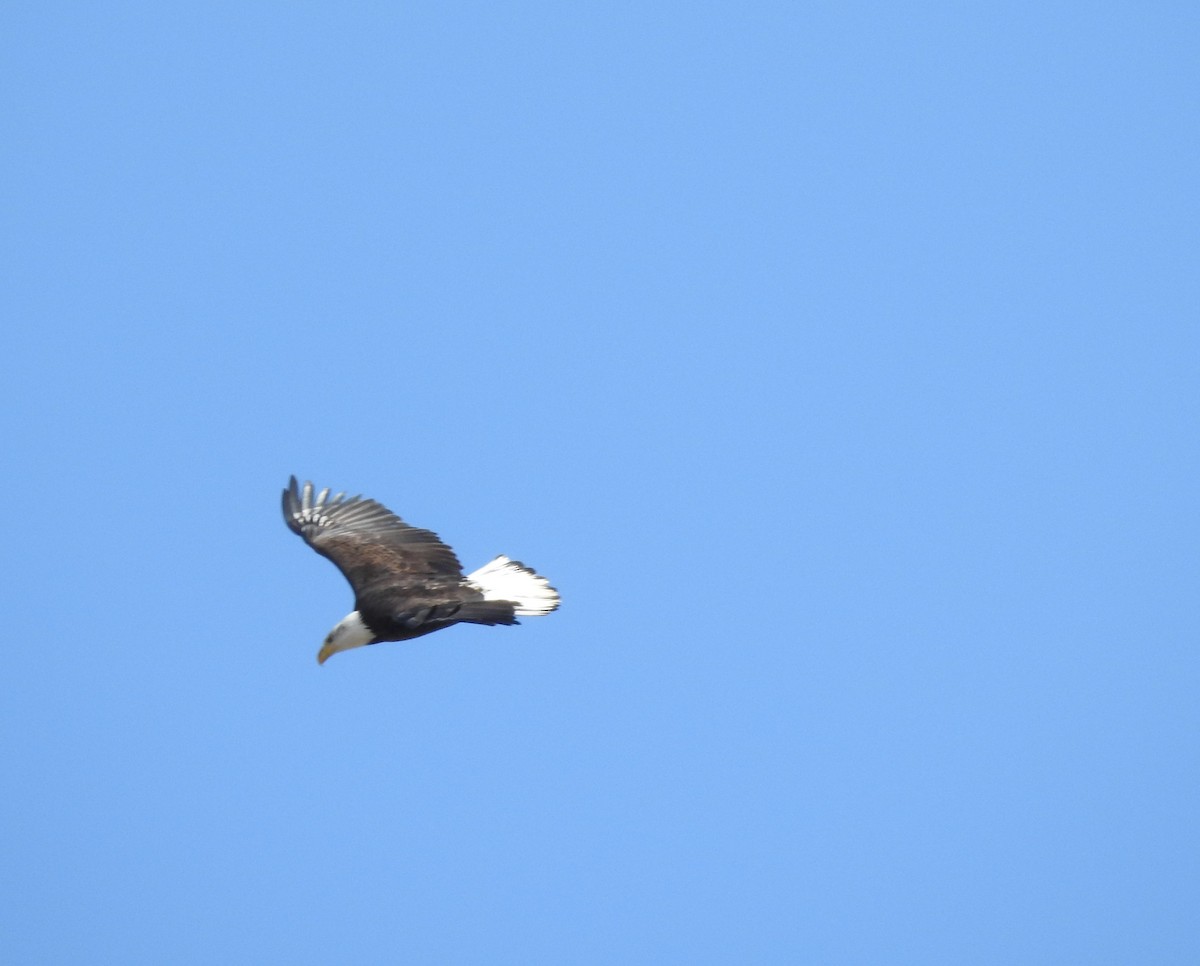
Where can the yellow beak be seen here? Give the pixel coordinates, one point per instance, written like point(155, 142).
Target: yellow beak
point(325, 653)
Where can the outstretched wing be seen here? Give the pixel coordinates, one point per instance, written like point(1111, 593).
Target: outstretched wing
point(368, 542)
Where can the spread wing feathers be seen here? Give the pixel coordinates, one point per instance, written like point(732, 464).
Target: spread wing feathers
point(366, 541)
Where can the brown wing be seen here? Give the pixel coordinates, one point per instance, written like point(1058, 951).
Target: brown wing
point(368, 542)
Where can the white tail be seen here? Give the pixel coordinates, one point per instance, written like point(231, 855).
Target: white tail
point(504, 579)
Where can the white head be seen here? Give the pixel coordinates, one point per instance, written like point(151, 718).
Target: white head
point(350, 632)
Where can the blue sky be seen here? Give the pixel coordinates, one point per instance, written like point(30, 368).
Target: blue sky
point(837, 362)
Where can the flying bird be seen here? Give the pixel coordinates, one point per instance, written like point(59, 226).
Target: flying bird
point(406, 581)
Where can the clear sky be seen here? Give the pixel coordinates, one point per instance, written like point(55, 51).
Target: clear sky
point(838, 363)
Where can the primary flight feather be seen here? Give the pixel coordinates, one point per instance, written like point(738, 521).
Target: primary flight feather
point(406, 581)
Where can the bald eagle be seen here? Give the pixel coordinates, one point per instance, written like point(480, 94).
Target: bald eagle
point(406, 581)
